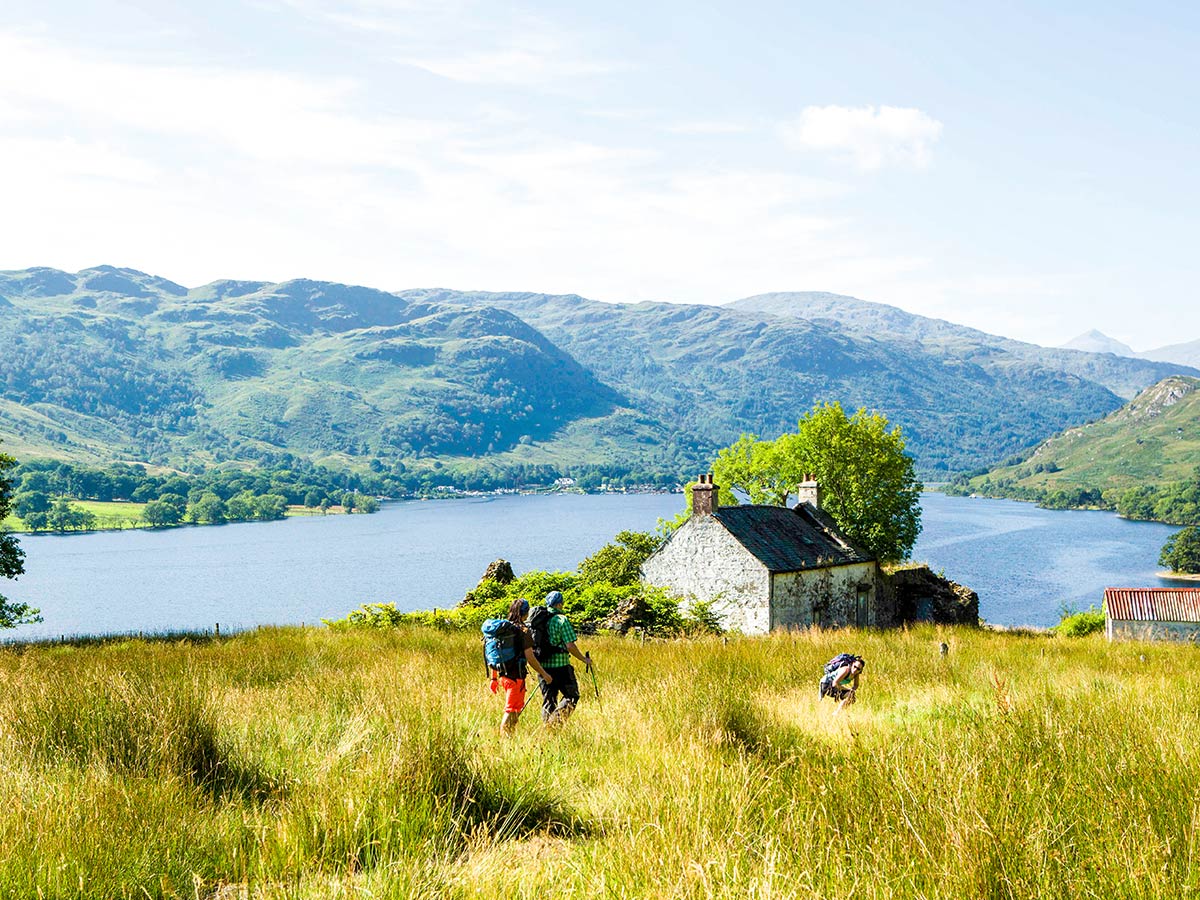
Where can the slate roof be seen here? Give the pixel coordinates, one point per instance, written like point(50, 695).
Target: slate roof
point(1153, 604)
point(789, 540)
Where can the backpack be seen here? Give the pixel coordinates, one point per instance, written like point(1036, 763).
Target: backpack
point(842, 659)
point(500, 643)
point(539, 628)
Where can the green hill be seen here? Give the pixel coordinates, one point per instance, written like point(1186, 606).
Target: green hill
point(111, 363)
point(961, 396)
point(1152, 440)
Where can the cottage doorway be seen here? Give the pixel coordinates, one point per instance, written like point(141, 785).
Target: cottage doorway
point(862, 606)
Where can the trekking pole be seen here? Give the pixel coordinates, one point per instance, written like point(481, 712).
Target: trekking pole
point(591, 667)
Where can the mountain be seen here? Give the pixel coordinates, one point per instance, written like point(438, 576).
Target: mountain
point(1124, 377)
point(1094, 341)
point(757, 365)
point(114, 363)
point(1152, 440)
point(1184, 354)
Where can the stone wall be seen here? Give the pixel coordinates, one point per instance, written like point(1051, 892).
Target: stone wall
point(825, 597)
point(1128, 630)
point(702, 561)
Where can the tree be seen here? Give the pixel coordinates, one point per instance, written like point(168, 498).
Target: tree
point(1181, 552)
point(619, 562)
point(270, 506)
point(11, 556)
point(63, 516)
point(159, 513)
point(208, 509)
point(868, 486)
point(30, 502)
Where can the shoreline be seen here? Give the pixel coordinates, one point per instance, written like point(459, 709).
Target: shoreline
point(1178, 576)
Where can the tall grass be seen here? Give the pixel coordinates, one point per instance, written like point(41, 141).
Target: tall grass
point(301, 763)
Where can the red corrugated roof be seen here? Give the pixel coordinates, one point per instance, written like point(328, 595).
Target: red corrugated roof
point(1153, 604)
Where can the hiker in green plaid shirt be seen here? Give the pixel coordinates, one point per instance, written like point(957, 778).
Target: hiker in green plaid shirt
point(557, 663)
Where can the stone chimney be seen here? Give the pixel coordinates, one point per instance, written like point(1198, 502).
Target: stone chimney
point(704, 497)
point(809, 491)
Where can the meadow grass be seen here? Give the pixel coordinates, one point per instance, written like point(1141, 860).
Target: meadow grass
point(305, 763)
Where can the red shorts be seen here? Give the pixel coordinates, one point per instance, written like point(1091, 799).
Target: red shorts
point(514, 694)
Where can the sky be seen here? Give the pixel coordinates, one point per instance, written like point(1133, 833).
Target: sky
point(1029, 169)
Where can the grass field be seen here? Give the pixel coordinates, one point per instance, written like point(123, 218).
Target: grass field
point(118, 515)
point(304, 763)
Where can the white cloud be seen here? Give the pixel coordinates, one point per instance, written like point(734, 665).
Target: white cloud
point(197, 172)
point(707, 128)
point(870, 136)
point(534, 64)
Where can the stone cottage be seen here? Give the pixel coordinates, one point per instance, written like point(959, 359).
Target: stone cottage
point(1152, 614)
point(768, 567)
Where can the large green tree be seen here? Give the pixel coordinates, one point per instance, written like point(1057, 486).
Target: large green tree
point(12, 557)
point(867, 481)
point(1182, 551)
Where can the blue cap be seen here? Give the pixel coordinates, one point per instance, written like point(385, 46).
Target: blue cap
point(554, 598)
point(524, 606)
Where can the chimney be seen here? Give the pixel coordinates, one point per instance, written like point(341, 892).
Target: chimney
point(704, 497)
point(809, 491)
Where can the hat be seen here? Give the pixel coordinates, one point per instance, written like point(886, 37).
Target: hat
point(554, 598)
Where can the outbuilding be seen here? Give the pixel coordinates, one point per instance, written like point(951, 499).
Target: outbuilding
point(1152, 614)
point(763, 568)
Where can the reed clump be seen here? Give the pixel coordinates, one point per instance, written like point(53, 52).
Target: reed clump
point(305, 763)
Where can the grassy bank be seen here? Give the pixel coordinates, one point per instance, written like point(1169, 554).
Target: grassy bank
point(311, 764)
point(120, 515)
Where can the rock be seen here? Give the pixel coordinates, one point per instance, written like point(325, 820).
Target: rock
point(632, 612)
point(500, 571)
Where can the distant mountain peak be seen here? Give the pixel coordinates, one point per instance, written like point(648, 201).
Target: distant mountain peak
point(1093, 341)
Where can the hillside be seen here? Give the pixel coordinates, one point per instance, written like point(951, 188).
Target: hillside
point(111, 363)
point(115, 363)
point(1123, 376)
point(960, 395)
point(1152, 440)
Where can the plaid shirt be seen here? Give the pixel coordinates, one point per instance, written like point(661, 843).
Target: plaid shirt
point(560, 633)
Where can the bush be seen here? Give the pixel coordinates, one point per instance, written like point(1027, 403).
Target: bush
point(1080, 624)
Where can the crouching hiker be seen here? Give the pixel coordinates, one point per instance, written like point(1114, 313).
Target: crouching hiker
point(508, 653)
point(840, 680)
point(554, 645)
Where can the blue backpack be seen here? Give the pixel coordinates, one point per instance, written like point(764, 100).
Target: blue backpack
point(500, 643)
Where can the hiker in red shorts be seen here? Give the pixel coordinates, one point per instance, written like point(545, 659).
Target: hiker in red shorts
point(512, 676)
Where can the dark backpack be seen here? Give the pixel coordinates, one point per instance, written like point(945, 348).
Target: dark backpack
point(539, 629)
point(501, 641)
point(842, 659)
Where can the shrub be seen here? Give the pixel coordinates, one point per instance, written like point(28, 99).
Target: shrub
point(1080, 624)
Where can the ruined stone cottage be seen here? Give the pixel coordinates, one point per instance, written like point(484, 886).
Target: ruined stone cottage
point(768, 567)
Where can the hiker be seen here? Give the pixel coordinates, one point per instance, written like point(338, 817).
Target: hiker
point(840, 680)
point(510, 675)
point(554, 644)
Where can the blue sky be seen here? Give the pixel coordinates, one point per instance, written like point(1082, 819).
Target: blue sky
point(1028, 169)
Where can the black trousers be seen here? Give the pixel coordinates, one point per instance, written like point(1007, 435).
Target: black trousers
point(564, 683)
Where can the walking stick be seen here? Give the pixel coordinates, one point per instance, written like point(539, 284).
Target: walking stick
point(595, 685)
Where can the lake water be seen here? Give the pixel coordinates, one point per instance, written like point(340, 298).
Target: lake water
point(1026, 563)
